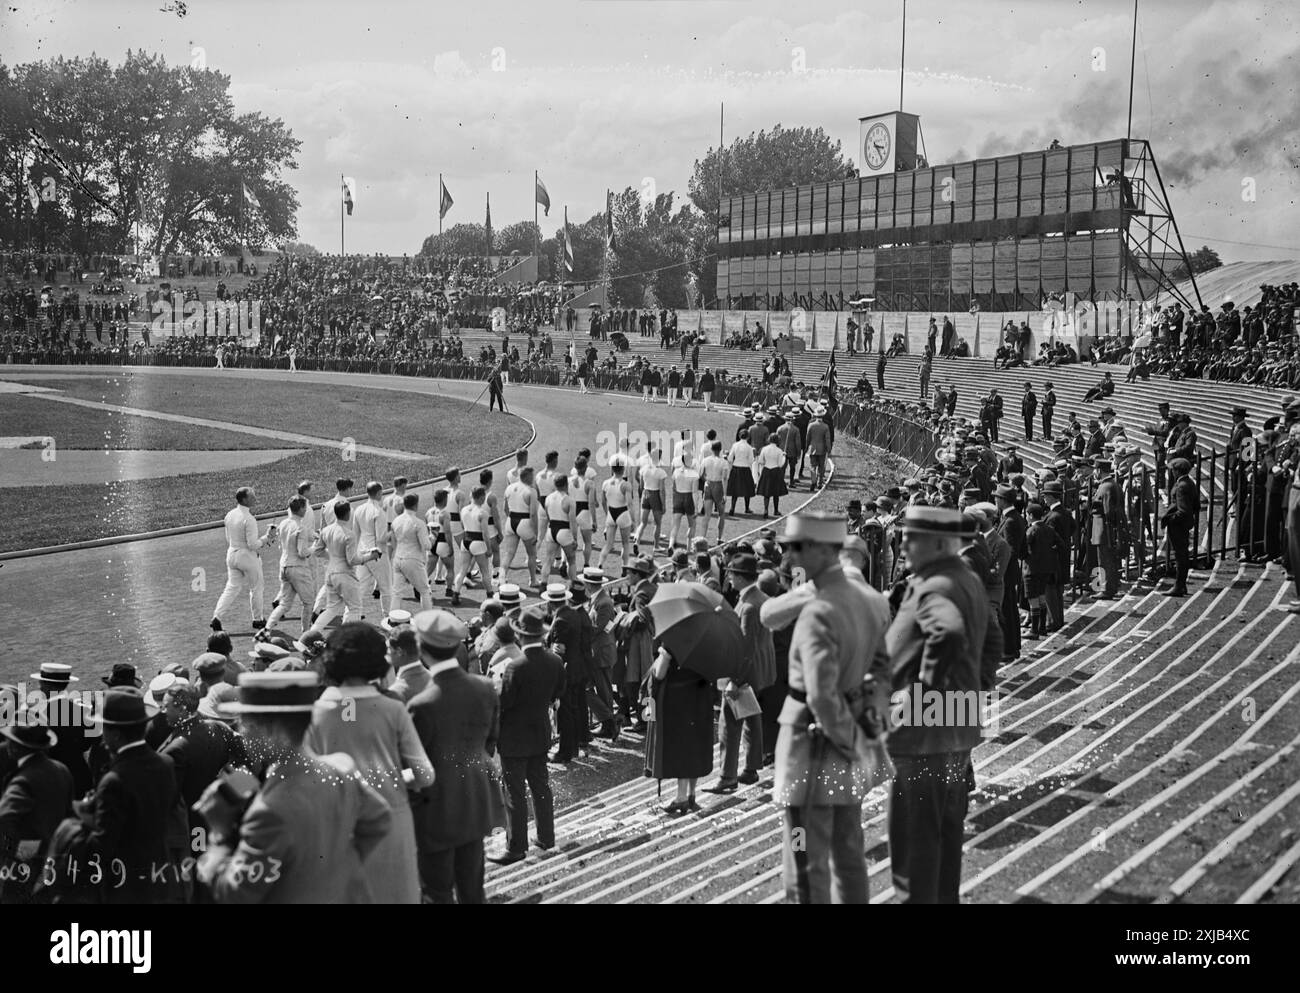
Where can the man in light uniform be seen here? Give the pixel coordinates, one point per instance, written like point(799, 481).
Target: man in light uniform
point(521, 524)
point(686, 480)
point(396, 501)
point(296, 576)
point(826, 762)
point(562, 529)
point(372, 534)
point(474, 517)
point(338, 544)
point(521, 463)
point(713, 470)
point(243, 558)
point(616, 497)
point(653, 476)
point(325, 517)
point(582, 489)
point(411, 549)
point(455, 530)
point(545, 480)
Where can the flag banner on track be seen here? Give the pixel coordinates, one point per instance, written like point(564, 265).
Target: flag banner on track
point(349, 193)
point(543, 197)
point(444, 200)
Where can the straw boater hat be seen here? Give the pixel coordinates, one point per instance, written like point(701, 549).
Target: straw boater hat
point(54, 672)
point(556, 593)
point(395, 619)
point(818, 527)
point(933, 520)
point(276, 693)
point(510, 596)
point(593, 575)
point(158, 687)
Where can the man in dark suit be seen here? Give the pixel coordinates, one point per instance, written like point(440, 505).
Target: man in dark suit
point(1180, 520)
point(1060, 520)
point(1049, 408)
point(1028, 408)
point(55, 680)
point(571, 639)
point(528, 688)
point(35, 799)
point(457, 717)
point(199, 749)
point(132, 804)
point(760, 673)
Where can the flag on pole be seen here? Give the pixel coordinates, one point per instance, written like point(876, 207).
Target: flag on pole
point(610, 244)
point(828, 377)
point(349, 193)
point(568, 244)
point(543, 197)
point(33, 194)
point(444, 200)
point(251, 202)
point(487, 225)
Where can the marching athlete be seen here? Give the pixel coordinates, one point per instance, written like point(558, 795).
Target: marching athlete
point(616, 498)
point(545, 480)
point(582, 488)
point(653, 476)
point(686, 480)
point(474, 517)
point(243, 559)
point(372, 533)
point(338, 543)
point(521, 506)
point(411, 550)
point(494, 520)
point(455, 531)
point(714, 469)
point(562, 526)
point(296, 540)
point(442, 562)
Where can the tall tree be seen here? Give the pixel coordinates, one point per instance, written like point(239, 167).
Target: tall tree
point(765, 160)
point(160, 148)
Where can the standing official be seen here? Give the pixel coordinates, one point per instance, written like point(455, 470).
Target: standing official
point(825, 765)
point(1180, 520)
point(1029, 407)
point(243, 559)
point(1049, 408)
point(528, 688)
point(458, 719)
point(935, 645)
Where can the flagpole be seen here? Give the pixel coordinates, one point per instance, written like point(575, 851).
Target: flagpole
point(604, 258)
point(1132, 69)
point(439, 211)
point(537, 231)
point(341, 237)
point(722, 117)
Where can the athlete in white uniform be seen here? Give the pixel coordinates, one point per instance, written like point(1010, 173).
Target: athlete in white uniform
point(411, 543)
point(494, 520)
point(375, 574)
point(296, 577)
point(338, 542)
point(474, 517)
point(442, 563)
point(713, 470)
point(582, 488)
point(686, 481)
point(562, 526)
point(343, 490)
point(545, 480)
point(243, 559)
point(521, 525)
point(616, 497)
point(521, 463)
point(653, 476)
point(455, 531)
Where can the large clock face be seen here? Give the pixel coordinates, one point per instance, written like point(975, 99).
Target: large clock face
point(875, 147)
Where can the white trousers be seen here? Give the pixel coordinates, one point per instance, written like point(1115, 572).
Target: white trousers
point(411, 574)
point(295, 581)
point(342, 596)
point(243, 574)
point(377, 574)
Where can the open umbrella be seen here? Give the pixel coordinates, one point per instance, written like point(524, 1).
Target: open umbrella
point(699, 628)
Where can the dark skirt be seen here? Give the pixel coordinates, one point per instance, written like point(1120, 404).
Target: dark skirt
point(772, 483)
point(679, 743)
point(740, 484)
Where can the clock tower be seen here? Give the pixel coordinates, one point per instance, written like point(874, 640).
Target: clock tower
point(887, 143)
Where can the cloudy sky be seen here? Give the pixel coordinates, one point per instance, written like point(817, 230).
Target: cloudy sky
point(605, 93)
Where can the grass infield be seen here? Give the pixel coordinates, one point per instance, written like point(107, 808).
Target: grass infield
point(451, 432)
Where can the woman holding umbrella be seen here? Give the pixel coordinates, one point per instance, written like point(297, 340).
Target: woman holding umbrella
point(700, 642)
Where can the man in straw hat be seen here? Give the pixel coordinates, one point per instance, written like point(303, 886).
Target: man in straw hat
point(36, 798)
point(458, 719)
point(571, 637)
point(604, 651)
point(528, 688)
point(132, 804)
point(308, 829)
point(824, 764)
point(935, 644)
point(55, 680)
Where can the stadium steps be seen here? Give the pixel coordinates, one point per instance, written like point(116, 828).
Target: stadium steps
point(1111, 718)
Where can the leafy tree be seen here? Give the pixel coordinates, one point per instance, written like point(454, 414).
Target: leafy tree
point(459, 239)
point(159, 148)
point(766, 160)
point(519, 237)
point(1203, 259)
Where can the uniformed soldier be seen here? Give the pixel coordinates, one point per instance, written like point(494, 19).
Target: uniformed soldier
point(935, 646)
point(826, 762)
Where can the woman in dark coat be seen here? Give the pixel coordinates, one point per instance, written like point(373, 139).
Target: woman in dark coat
point(679, 743)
